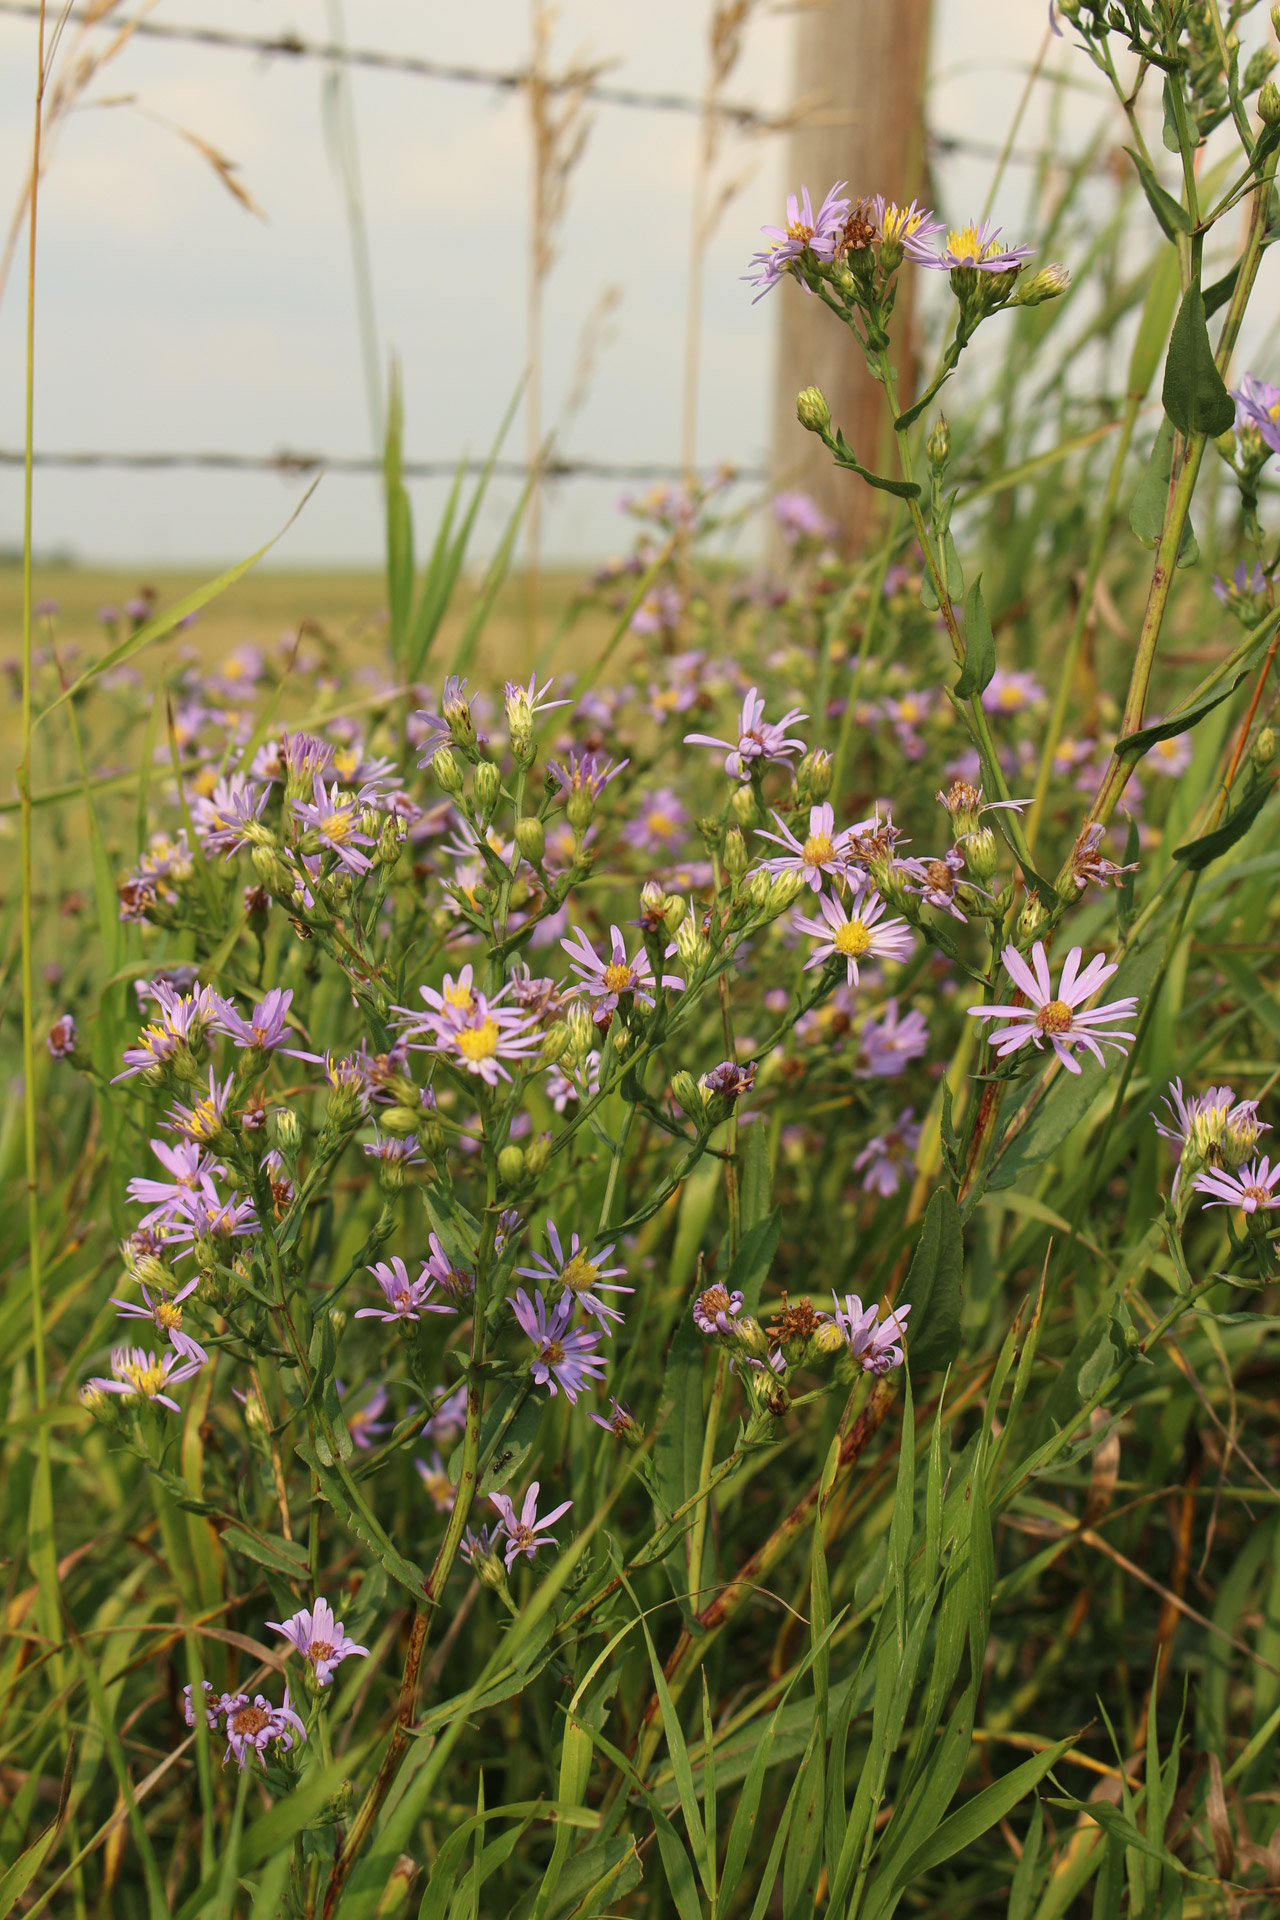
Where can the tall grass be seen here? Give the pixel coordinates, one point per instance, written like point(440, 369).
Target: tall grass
point(955, 1597)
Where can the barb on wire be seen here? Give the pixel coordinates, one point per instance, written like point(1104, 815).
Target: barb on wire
point(290, 462)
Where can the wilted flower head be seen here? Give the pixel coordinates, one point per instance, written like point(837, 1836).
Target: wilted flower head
point(62, 1037)
point(1088, 864)
point(716, 1308)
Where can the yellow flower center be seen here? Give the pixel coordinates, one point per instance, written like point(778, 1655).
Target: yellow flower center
point(818, 849)
point(459, 995)
point(617, 977)
point(660, 823)
point(580, 1274)
point(438, 1486)
point(1258, 1195)
point(148, 1380)
point(203, 1123)
point(320, 1650)
point(345, 761)
point(1054, 1017)
point(479, 1043)
point(1010, 696)
point(336, 825)
point(553, 1353)
point(853, 938)
point(168, 1315)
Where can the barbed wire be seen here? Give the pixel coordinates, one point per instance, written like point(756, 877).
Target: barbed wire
point(292, 464)
point(292, 46)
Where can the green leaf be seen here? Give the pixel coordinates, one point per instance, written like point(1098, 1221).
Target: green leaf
point(282, 1556)
point(1097, 1368)
point(1172, 215)
point(1221, 291)
point(1153, 327)
point(844, 456)
point(980, 646)
point(1151, 501)
point(1125, 885)
point(1183, 718)
point(1196, 855)
point(15, 1882)
point(755, 1257)
point(932, 1288)
point(1025, 1879)
point(754, 1180)
point(678, 1451)
point(981, 1813)
point(507, 1436)
point(1194, 396)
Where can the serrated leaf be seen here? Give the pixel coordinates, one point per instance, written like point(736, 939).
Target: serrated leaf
point(932, 1288)
point(979, 646)
point(1194, 396)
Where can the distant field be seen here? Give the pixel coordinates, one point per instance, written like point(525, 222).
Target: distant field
point(347, 609)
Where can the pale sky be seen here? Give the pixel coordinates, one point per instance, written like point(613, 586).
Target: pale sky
point(171, 318)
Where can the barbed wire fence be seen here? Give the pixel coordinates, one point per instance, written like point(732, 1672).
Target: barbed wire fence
point(742, 115)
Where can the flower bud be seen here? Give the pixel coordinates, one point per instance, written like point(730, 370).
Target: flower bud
point(555, 1043)
point(743, 805)
point(1032, 917)
point(674, 912)
point(981, 855)
point(1264, 749)
point(827, 1339)
point(445, 768)
point(487, 786)
point(812, 411)
point(750, 1335)
point(1047, 283)
point(400, 1122)
point(582, 1032)
point(689, 1095)
point(389, 841)
point(938, 445)
point(511, 1166)
point(581, 808)
point(692, 944)
point(1275, 21)
point(1269, 104)
point(531, 838)
point(784, 890)
point(537, 1154)
point(278, 878)
point(813, 775)
point(735, 854)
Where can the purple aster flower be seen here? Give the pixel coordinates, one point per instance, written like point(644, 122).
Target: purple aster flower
point(365, 1424)
point(975, 245)
point(391, 1152)
point(583, 1279)
point(228, 818)
point(681, 687)
point(62, 1037)
point(659, 611)
point(509, 1225)
point(164, 1310)
point(1171, 756)
point(212, 1706)
point(475, 1032)
point(182, 1023)
point(822, 855)
point(1252, 1189)
point(458, 1282)
point(252, 1725)
point(716, 1308)
point(804, 232)
point(521, 1530)
point(966, 805)
point(137, 1374)
point(266, 1026)
point(605, 982)
point(435, 1478)
point(197, 1218)
point(450, 1417)
point(319, 1638)
point(406, 1299)
point(1060, 1018)
point(480, 1543)
point(203, 1119)
point(873, 1341)
point(1011, 692)
point(852, 933)
point(621, 1423)
point(730, 1080)
point(884, 1158)
point(800, 518)
point(584, 772)
point(889, 1044)
point(907, 227)
point(1247, 583)
point(561, 1358)
point(1212, 1127)
point(759, 741)
point(335, 817)
point(453, 722)
point(526, 704)
point(1258, 406)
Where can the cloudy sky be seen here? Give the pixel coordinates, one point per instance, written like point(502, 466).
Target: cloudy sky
point(169, 317)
